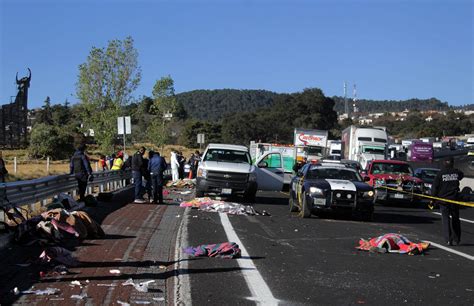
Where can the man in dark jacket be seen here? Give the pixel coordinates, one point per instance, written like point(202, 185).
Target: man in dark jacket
point(446, 186)
point(138, 171)
point(80, 167)
point(157, 166)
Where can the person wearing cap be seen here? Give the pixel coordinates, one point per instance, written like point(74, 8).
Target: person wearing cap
point(446, 186)
point(80, 167)
point(138, 171)
point(118, 161)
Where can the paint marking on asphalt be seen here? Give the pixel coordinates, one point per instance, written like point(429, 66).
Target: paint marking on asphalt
point(261, 293)
point(462, 219)
point(439, 246)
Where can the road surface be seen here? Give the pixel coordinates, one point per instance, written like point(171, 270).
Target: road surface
point(286, 259)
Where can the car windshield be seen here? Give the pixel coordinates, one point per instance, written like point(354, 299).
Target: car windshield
point(229, 156)
point(387, 168)
point(333, 173)
point(373, 150)
point(429, 174)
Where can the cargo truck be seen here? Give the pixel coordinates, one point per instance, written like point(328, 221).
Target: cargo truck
point(310, 143)
point(364, 144)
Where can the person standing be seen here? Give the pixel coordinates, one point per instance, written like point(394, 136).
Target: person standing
point(157, 167)
point(103, 163)
point(137, 174)
point(3, 169)
point(446, 186)
point(147, 176)
point(118, 161)
point(174, 166)
point(195, 164)
point(181, 162)
point(80, 167)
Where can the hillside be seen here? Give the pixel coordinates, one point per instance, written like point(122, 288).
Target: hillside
point(375, 106)
point(215, 104)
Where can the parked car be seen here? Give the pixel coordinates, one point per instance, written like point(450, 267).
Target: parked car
point(330, 186)
point(228, 170)
point(427, 175)
point(396, 175)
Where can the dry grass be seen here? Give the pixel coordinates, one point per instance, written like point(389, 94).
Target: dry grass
point(28, 168)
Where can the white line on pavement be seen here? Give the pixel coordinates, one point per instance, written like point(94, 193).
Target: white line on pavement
point(462, 219)
point(261, 293)
point(470, 257)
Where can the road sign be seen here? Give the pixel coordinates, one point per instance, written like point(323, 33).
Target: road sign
point(124, 123)
point(200, 138)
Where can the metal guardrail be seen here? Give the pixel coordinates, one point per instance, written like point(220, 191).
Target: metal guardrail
point(41, 190)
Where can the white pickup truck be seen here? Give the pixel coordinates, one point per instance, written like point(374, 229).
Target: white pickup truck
point(228, 170)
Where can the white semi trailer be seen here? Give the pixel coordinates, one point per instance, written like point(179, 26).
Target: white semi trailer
point(364, 144)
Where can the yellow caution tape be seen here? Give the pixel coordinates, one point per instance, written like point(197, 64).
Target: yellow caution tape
point(429, 197)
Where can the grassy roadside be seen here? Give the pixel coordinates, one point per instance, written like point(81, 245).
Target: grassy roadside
point(28, 168)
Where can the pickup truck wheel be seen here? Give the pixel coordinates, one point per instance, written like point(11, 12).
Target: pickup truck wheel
point(199, 193)
point(291, 203)
point(367, 216)
point(305, 210)
point(250, 197)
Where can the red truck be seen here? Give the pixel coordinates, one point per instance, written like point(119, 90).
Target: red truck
point(395, 174)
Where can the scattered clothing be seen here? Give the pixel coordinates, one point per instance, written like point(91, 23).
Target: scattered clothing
point(222, 250)
point(59, 255)
point(392, 243)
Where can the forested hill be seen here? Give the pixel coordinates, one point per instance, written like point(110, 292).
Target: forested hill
point(215, 104)
point(374, 106)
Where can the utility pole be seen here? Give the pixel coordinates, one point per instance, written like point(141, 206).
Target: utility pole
point(346, 105)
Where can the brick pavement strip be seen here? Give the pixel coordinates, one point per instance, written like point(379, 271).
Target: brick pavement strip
point(140, 242)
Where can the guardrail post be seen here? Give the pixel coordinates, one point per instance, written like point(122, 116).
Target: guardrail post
point(47, 165)
point(101, 188)
point(14, 165)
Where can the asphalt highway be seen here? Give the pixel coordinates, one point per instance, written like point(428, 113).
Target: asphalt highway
point(314, 261)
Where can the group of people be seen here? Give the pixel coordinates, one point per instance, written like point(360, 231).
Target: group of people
point(149, 170)
point(178, 165)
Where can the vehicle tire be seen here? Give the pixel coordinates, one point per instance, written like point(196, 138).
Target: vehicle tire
point(199, 193)
point(291, 203)
point(250, 197)
point(367, 216)
point(305, 210)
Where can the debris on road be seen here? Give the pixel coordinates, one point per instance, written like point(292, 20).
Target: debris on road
point(123, 303)
point(79, 296)
point(114, 271)
point(47, 291)
point(185, 183)
point(75, 283)
point(392, 243)
point(159, 299)
point(210, 205)
point(222, 250)
point(141, 287)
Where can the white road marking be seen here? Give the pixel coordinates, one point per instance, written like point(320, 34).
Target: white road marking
point(261, 293)
point(470, 257)
point(462, 219)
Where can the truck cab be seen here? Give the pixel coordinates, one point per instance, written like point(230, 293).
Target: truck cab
point(228, 170)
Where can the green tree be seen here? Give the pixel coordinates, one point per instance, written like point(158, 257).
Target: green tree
point(45, 115)
point(48, 140)
point(163, 107)
point(106, 82)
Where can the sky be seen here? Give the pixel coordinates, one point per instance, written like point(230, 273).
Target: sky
point(392, 50)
